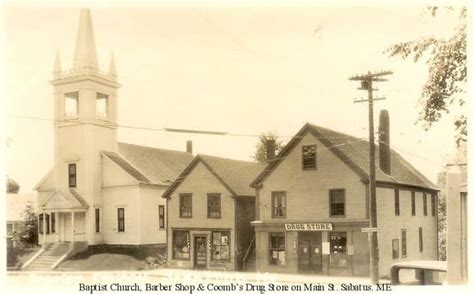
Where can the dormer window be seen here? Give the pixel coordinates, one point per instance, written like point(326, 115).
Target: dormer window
point(101, 105)
point(309, 157)
point(71, 104)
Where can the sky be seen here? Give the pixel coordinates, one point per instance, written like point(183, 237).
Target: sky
point(242, 70)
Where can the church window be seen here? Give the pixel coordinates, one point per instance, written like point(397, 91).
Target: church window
point(121, 219)
point(72, 171)
point(161, 214)
point(71, 104)
point(101, 105)
point(97, 220)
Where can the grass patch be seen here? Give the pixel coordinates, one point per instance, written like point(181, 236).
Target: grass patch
point(112, 258)
point(18, 256)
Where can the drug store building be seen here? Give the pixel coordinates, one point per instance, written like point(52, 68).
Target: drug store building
point(312, 203)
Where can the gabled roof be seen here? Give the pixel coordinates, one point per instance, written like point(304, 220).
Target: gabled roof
point(235, 175)
point(64, 200)
point(354, 152)
point(151, 165)
point(126, 166)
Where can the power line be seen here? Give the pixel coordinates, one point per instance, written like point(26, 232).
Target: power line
point(176, 130)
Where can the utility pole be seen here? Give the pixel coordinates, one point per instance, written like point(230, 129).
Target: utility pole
point(366, 81)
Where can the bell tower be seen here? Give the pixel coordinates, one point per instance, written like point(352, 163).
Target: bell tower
point(85, 100)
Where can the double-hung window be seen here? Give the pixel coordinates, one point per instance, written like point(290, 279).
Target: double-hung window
point(161, 216)
point(397, 201)
point(213, 205)
point(121, 219)
point(279, 204)
point(309, 157)
point(425, 205)
point(97, 220)
point(404, 243)
point(395, 249)
point(186, 205)
point(337, 202)
point(72, 175)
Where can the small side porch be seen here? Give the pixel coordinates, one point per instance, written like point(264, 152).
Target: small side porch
point(62, 218)
point(61, 226)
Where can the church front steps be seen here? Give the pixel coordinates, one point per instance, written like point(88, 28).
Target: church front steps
point(49, 257)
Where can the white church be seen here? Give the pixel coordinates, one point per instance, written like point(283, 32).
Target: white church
point(99, 191)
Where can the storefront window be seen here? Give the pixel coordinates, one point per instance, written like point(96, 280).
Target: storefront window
point(220, 246)
point(338, 246)
point(277, 249)
point(181, 245)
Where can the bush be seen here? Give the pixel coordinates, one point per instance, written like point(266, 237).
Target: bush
point(12, 257)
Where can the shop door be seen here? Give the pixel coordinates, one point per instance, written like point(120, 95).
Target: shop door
point(200, 252)
point(309, 252)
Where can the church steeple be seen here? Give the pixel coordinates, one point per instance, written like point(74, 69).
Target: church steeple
point(85, 55)
point(112, 68)
point(57, 64)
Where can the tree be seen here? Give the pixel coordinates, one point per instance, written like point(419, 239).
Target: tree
point(12, 186)
point(446, 86)
point(460, 158)
point(260, 154)
point(29, 235)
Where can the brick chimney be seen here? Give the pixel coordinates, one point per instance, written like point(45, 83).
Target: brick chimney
point(189, 146)
point(270, 149)
point(384, 141)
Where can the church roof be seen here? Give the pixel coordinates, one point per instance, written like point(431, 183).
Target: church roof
point(64, 200)
point(126, 166)
point(355, 153)
point(235, 175)
point(150, 165)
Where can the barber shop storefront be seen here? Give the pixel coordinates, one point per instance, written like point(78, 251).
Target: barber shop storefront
point(202, 249)
point(312, 248)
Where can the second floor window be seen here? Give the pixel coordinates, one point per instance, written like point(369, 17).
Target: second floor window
point(413, 203)
point(72, 173)
point(279, 204)
point(213, 205)
point(397, 202)
point(186, 205)
point(309, 157)
point(337, 202)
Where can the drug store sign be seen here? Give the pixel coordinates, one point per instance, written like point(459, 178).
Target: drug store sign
point(309, 227)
